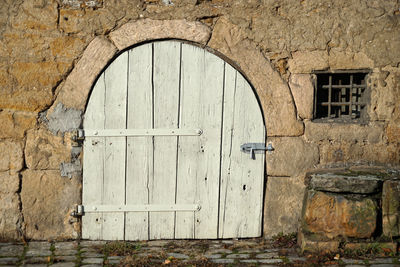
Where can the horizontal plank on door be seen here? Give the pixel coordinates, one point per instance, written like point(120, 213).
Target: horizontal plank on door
point(141, 132)
point(144, 207)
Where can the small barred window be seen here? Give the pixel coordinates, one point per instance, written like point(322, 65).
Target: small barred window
point(341, 97)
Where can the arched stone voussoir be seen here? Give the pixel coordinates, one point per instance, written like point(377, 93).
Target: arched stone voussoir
point(147, 29)
point(76, 88)
point(274, 94)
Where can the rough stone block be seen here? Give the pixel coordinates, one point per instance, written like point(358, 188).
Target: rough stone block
point(309, 244)
point(47, 200)
point(9, 183)
point(11, 156)
point(10, 216)
point(302, 89)
point(273, 92)
point(333, 215)
point(288, 158)
point(46, 151)
point(282, 209)
point(349, 60)
point(360, 184)
point(75, 90)
point(391, 208)
point(371, 133)
point(148, 29)
point(14, 124)
point(36, 15)
point(307, 61)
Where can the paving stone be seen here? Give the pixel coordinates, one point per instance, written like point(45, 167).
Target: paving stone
point(213, 256)
point(37, 253)
point(249, 261)
point(269, 255)
point(93, 261)
point(295, 258)
point(381, 260)
point(383, 265)
point(66, 252)
point(64, 258)
point(355, 265)
point(36, 260)
point(249, 250)
point(270, 260)
point(35, 265)
point(8, 260)
point(223, 260)
point(39, 245)
point(237, 256)
point(178, 255)
point(64, 264)
point(92, 255)
point(352, 261)
point(114, 261)
point(66, 245)
point(11, 250)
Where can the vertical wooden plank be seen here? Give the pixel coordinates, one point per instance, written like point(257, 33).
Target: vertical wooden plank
point(199, 157)
point(166, 106)
point(115, 148)
point(139, 149)
point(242, 178)
point(93, 151)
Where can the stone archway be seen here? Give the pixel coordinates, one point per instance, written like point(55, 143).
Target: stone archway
point(226, 38)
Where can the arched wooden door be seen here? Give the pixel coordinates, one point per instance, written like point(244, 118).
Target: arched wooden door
point(162, 159)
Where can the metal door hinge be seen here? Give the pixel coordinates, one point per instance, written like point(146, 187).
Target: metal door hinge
point(78, 211)
point(77, 137)
point(252, 148)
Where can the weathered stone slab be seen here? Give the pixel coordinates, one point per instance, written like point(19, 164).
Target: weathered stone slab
point(307, 244)
point(333, 215)
point(302, 89)
point(283, 202)
point(14, 124)
point(273, 92)
point(9, 183)
point(75, 90)
point(360, 184)
point(147, 29)
point(11, 156)
point(291, 150)
point(391, 208)
point(349, 60)
point(47, 200)
point(371, 133)
point(45, 150)
point(307, 61)
point(11, 219)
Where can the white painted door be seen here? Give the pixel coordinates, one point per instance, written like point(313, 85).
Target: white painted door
point(162, 159)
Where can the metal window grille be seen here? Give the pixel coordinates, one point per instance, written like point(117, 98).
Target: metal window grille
point(340, 96)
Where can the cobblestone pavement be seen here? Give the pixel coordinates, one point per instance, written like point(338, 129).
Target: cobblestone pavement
point(249, 252)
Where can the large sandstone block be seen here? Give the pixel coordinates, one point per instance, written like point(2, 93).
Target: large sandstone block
point(14, 124)
point(307, 61)
point(46, 151)
point(344, 183)
point(391, 208)
point(283, 201)
point(147, 29)
point(332, 215)
point(11, 156)
point(10, 216)
point(47, 200)
point(291, 156)
point(302, 89)
point(9, 183)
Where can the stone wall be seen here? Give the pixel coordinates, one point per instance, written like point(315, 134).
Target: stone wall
point(52, 51)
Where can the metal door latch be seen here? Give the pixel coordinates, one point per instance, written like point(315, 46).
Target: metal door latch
point(78, 211)
point(253, 147)
point(77, 137)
